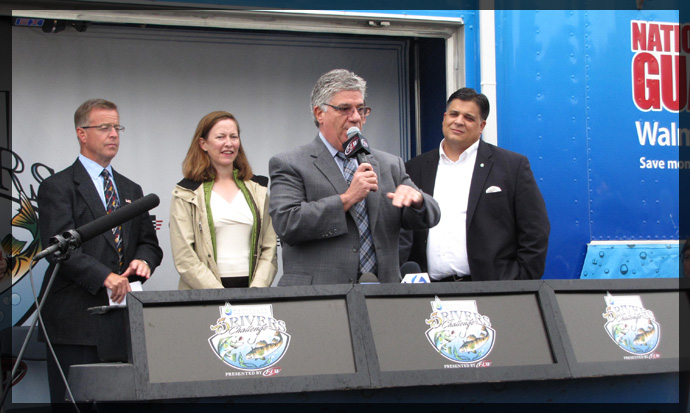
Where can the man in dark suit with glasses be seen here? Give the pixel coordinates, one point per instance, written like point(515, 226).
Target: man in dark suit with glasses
point(104, 265)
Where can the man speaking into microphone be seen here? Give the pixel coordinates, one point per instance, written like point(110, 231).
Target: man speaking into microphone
point(74, 197)
point(338, 210)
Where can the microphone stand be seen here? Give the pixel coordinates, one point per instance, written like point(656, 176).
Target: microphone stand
point(62, 254)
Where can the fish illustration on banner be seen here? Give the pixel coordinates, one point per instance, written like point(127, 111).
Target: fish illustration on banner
point(248, 337)
point(630, 325)
point(459, 332)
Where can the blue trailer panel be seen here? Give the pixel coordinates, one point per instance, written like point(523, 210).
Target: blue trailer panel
point(567, 87)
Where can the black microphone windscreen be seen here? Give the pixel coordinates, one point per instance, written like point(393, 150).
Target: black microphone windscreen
point(410, 267)
point(118, 217)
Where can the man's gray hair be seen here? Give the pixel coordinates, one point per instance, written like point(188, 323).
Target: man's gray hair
point(81, 115)
point(335, 81)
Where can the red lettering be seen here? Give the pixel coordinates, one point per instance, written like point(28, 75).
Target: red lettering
point(639, 36)
point(271, 372)
point(667, 30)
point(669, 81)
point(659, 37)
point(660, 72)
point(654, 39)
point(645, 90)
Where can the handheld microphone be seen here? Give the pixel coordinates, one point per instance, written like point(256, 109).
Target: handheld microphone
point(410, 267)
point(74, 238)
point(368, 278)
point(356, 145)
point(412, 273)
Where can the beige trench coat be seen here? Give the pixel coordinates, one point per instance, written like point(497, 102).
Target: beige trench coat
point(191, 244)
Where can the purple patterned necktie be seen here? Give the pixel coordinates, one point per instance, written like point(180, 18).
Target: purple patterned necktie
point(367, 255)
point(111, 204)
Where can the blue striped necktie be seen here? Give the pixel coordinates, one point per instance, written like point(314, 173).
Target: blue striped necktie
point(111, 204)
point(367, 255)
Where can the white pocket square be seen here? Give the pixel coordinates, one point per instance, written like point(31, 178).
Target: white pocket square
point(492, 189)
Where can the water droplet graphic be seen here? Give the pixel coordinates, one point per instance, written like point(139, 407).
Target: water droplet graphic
point(606, 271)
point(643, 255)
point(594, 262)
point(16, 299)
point(601, 254)
point(624, 269)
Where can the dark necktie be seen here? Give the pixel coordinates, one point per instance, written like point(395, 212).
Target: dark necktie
point(111, 204)
point(367, 255)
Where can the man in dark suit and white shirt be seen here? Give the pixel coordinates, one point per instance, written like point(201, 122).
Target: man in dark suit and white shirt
point(317, 215)
point(494, 224)
point(81, 193)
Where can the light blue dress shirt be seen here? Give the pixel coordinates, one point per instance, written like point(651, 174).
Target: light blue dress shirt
point(94, 170)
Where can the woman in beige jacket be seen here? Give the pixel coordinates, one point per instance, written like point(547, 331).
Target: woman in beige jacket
point(221, 234)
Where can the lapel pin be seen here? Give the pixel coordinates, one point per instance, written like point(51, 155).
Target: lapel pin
point(128, 201)
point(481, 165)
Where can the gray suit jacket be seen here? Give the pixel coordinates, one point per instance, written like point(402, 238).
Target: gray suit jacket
point(68, 200)
point(320, 242)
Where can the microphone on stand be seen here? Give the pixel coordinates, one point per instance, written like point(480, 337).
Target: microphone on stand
point(75, 237)
point(61, 245)
point(412, 273)
point(410, 267)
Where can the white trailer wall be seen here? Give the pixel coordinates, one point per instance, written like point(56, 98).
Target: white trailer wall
point(165, 79)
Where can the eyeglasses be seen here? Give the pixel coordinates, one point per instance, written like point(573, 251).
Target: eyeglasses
point(349, 110)
point(105, 127)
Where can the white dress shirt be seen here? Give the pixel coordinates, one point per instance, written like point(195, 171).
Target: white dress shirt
point(447, 242)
